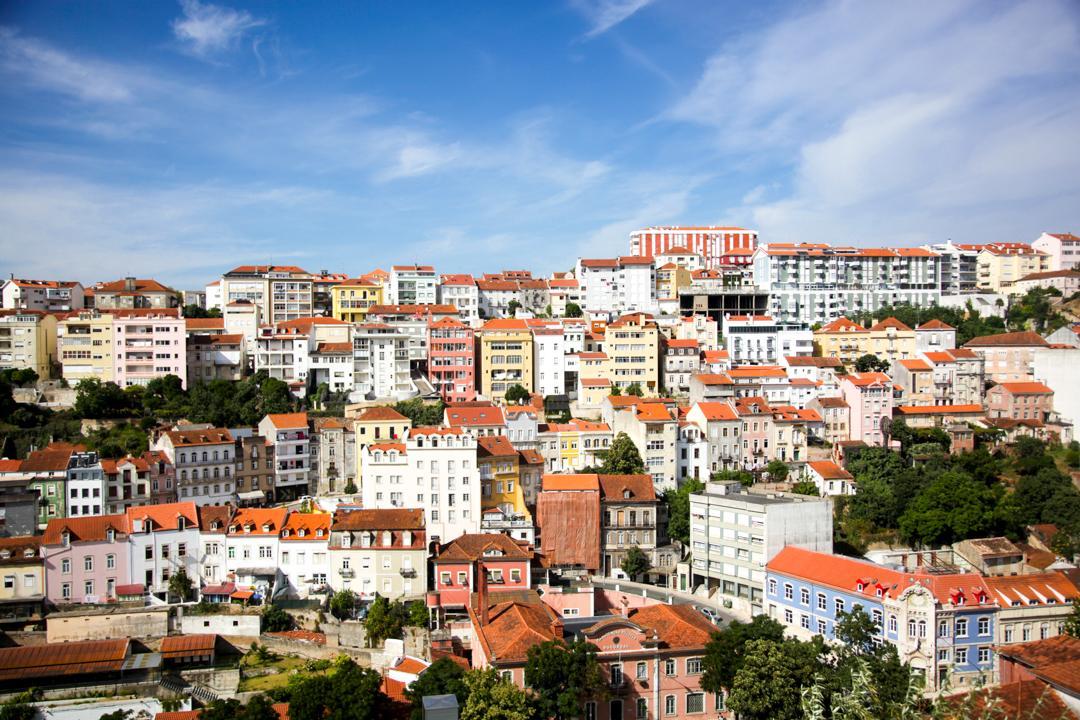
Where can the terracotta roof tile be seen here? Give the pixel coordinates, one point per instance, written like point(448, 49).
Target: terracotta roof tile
point(472, 546)
point(614, 488)
point(388, 519)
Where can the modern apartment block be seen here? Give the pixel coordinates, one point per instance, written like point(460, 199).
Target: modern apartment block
point(452, 360)
point(45, 295)
point(734, 533)
point(718, 245)
point(289, 434)
point(352, 298)
point(816, 283)
point(381, 366)
point(149, 344)
point(461, 292)
point(1002, 264)
point(28, 341)
point(1063, 250)
point(413, 285)
point(282, 292)
point(506, 357)
point(611, 286)
point(131, 293)
point(761, 340)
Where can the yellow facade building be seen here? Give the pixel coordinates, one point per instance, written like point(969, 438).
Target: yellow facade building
point(890, 340)
point(632, 346)
point(500, 476)
point(352, 299)
point(84, 342)
point(999, 265)
point(506, 356)
point(378, 425)
point(28, 341)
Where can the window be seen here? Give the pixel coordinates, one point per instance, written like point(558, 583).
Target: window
point(788, 616)
point(943, 629)
point(65, 566)
point(110, 562)
point(695, 703)
point(9, 582)
point(961, 628)
point(181, 550)
point(693, 666)
point(88, 563)
point(590, 710)
point(838, 606)
point(788, 592)
point(88, 587)
point(772, 586)
point(642, 671)
point(148, 554)
point(642, 707)
point(444, 578)
point(669, 704)
point(669, 667)
point(804, 596)
point(821, 602)
point(821, 627)
point(65, 591)
point(877, 617)
point(892, 623)
point(984, 655)
point(984, 626)
point(804, 621)
point(961, 656)
point(1008, 633)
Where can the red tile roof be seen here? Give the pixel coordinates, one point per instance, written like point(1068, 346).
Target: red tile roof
point(495, 446)
point(314, 526)
point(380, 414)
point(256, 518)
point(284, 421)
point(627, 488)
point(473, 546)
point(867, 378)
point(1012, 339)
point(473, 416)
point(62, 659)
point(890, 322)
point(165, 517)
point(513, 627)
point(938, 409)
point(829, 470)
point(388, 519)
point(935, 324)
point(717, 411)
point(1025, 388)
point(181, 646)
point(187, 438)
point(675, 626)
point(93, 528)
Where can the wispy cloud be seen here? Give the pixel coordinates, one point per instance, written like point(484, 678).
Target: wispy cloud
point(206, 30)
point(606, 14)
point(902, 123)
point(38, 64)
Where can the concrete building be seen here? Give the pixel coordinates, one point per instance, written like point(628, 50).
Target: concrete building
point(633, 516)
point(761, 340)
point(1067, 282)
point(127, 483)
point(934, 336)
point(85, 485)
point(829, 478)
point(290, 436)
point(28, 341)
point(452, 360)
point(413, 285)
point(654, 430)
point(162, 540)
point(204, 461)
point(959, 376)
point(434, 469)
point(959, 266)
point(613, 286)
point(549, 357)
point(870, 398)
point(252, 551)
point(352, 299)
point(632, 345)
point(51, 296)
point(379, 550)
point(22, 594)
point(281, 292)
point(1062, 249)
point(817, 283)
point(572, 446)
point(216, 357)
point(1020, 401)
point(461, 292)
point(213, 527)
point(682, 360)
point(131, 293)
point(84, 342)
point(1008, 357)
point(148, 344)
point(734, 533)
point(381, 367)
point(889, 340)
point(305, 558)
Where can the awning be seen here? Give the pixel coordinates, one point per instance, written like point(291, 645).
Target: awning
point(242, 594)
point(251, 495)
point(135, 589)
point(225, 589)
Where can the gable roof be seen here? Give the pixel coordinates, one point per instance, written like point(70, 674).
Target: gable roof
point(829, 470)
point(165, 517)
point(382, 413)
point(494, 446)
point(515, 626)
point(675, 626)
point(614, 488)
point(474, 415)
point(92, 528)
point(1025, 388)
point(273, 518)
point(934, 324)
point(1010, 339)
point(560, 482)
point(288, 420)
point(473, 546)
point(386, 519)
point(717, 411)
point(210, 436)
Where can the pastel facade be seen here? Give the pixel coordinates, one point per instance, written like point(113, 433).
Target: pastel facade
point(1020, 401)
point(869, 397)
point(379, 550)
point(290, 436)
point(506, 357)
point(452, 360)
point(352, 299)
point(86, 559)
point(1062, 249)
point(999, 265)
point(28, 341)
point(204, 461)
point(147, 346)
point(51, 296)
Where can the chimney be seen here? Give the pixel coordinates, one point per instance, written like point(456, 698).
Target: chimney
point(481, 591)
point(129, 284)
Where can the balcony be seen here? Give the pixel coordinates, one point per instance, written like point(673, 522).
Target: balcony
point(347, 573)
point(406, 572)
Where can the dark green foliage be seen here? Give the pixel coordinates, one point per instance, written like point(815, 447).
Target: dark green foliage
point(678, 509)
point(635, 390)
point(19, 377)
point(444, 677)
point(421, 413)
point(274, 619)
point(871, 363)
point(198, 311)
point(615, 391)
point(416, 614)
point(573, 310)
point(384, 620)
point(952, 507)
point(516, 394)
point(342, 604)
point(778, 470)
point(740, 476)
point(1072, 623)
point(635, 563)
point(967, 321)
point(1035, 311)
point(768, 686)
point(563, 676)
point(804, 487)
point(180, 586)
point(258, 708)
point(348, 692)
point(725, 653)
point(622, 458)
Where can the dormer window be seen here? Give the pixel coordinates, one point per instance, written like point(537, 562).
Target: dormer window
point(215, 525)
point(266, 527)
point(110, 534)
point(285, 533)
point(28, 553)
point(346, 539)
point(386, 538)
point(859, 587)
point(626, 494)
point(319, 533)
point(181, 523)
point(301, 532)
point(879, 593)
point(248, 528)
point(65, 538)
point(406, 538)
point(5, 554)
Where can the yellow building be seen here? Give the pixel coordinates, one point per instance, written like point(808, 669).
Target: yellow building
point(24, 576)
point(84, 342)
point(890, 340)
point(500, 476)
point(352, 298)
point(378, 424)
point(28, 341)
point(669, 278)
point(572, 446)
point(506, 356)
point(999, 265)
point(632, 345)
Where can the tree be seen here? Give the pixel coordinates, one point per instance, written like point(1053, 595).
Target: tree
point(20, 377)
point(743, 477)
point(274, 619)
point(805, 487)
point(952, 507)
point(342, 604)
point(724, 653)
point(769, 684)
point(678, 507)
point(635, 390)
point(180, 585)
point(1072, 623)
point(512, 307)
point(348, 692)
point(350, 487)
point(615, 391)
point(563, 676)
point(198, 311)
point(490, 697)
point(778, 470)
point(383, 621)
point(417, 614)
point(444, 677)
point(635, 563)
point(421, 413)
point(573, 310)
point(871, 363)
point(622, 458)
point(101, 400)
point(516, 394)
point(258, 708)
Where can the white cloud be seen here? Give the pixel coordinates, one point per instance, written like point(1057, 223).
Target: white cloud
point(206, 30)
point(606, 14)
point(901, 122)
point(38, 64)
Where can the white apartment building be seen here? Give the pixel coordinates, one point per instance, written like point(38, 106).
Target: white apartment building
point(252, 547)
point(44, 295)
point(761, 340)
point(733, 533)
point(1063, 249)
point(549, 357)
point(283, 353)
point(413, 285)
point(162, 539)
point(282, 292)
point(204, 462)
point(381, 367)
point(28, 341)
point(817, 283)
point(959, 266)
point(85, 485)
point(614, 286)
point(719, 425)
point(434, 469)
point(288, 433)
point(655, 433)
point(304, 554)
point(213, 526)
point(461, 292)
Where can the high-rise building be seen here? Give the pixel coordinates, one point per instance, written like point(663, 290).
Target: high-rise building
point(718, 245)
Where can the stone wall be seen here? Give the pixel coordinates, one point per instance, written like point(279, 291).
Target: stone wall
point(106, 626)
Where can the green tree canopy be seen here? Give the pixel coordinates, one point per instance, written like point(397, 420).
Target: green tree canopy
point(622, 458)
point(275, 619)
point(725, 652)
point(773, 675)
point(348, 692)
point(444, 677)
point(342, 604)
point(635, 390)
point(490, 697)
point(573, 310)
point(870, 363)
point(421, 413)
point(778, 470)
point(805, 487)
point(635, 563)
point(516, 394)
point(563, 676)
point(678, 508)
point(180, 585)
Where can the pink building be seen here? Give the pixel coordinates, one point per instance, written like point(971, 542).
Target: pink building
point(1008, 356)
point(1020, 401)
point(756, 417)
point(869, 397)
point(451, 360)
point(86, 558)
point(505, 563)
point(148, 344)
point(651, 656)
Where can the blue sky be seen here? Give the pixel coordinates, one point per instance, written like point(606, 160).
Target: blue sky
point(175, 140)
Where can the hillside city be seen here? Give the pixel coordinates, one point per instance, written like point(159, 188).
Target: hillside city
point(717, 476)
